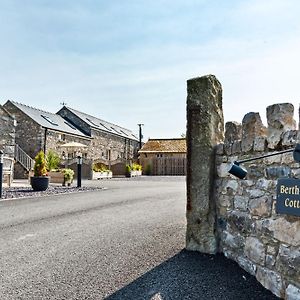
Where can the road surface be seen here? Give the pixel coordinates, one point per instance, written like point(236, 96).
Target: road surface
point(122, 242)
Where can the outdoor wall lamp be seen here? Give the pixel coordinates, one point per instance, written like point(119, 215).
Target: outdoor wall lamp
point(238, 171)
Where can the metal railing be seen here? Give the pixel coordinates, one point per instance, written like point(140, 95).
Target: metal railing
point(23, 158)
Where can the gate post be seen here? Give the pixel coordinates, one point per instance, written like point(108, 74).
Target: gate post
point(205, 129)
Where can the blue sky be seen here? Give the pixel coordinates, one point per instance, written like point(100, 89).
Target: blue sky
point(127, 61)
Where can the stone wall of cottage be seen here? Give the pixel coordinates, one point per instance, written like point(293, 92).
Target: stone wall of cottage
point(7, 137)
point(118, 147)
point(264, 243)
point(29, 135)
point(55, 140)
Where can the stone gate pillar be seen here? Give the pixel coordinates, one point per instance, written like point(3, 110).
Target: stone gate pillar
point(205, 129)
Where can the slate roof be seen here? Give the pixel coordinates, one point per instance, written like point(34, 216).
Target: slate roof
point(100, 124)
point(177, 145)
point(49, 120)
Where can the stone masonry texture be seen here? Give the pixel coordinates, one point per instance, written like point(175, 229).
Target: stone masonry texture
point(264, 243)
point(7, 125)
point(280, 119)
point(247, 228)
point(205, 129)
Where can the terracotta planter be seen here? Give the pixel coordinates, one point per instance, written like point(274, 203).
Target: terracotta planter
point(39, 183)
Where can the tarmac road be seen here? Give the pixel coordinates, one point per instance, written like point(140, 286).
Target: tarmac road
point(124, 242)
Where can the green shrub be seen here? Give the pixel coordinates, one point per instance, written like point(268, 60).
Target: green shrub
point(68, 174)
point(52, 160)
point(148, 170)
point(39, 168)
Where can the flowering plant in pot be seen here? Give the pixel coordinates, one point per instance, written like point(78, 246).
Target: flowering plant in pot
point(101, 171)
point(133, 170)
point(40, 180)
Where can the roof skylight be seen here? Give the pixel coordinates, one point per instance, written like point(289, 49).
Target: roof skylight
point(93, 123)
point(114, 129)
point(123, 132)
point(49, 120)
point(105, 127)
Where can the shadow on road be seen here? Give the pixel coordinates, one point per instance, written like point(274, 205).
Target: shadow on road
point(192, 275)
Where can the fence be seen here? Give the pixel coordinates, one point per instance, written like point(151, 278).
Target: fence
point(169, 166)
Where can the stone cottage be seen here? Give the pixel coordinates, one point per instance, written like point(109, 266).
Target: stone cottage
point(164, 156)
point(7, 125)
point(101, 141)
point(40, 130)
point(111, 145)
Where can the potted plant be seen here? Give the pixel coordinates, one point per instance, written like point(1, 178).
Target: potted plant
point(136, 169)
point(133, 170)
point(100, 171)
point(40, 179)
point(68, 176)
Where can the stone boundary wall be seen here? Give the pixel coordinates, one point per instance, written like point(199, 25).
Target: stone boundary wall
point(249, 231)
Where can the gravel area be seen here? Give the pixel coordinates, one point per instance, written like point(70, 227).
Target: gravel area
point(21, 192)
point(195, 276)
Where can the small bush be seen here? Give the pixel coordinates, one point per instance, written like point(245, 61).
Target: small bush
point(148, 170)
point(52, 160)
point(39, 168)
point(127, 169)
point(68, 174)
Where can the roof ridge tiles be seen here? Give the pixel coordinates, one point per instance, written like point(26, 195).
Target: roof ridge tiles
point(118, 126)
point(31, 107)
